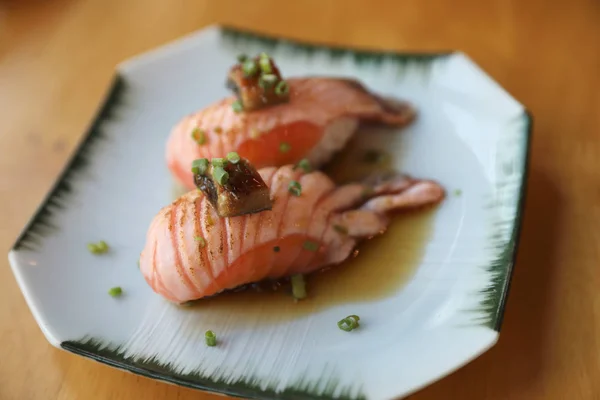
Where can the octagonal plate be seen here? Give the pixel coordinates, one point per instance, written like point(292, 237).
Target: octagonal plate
point(470, 135)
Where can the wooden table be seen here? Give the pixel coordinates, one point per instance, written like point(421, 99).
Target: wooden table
point(57, 58)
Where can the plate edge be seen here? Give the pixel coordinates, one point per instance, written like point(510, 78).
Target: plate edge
point(103, 110)
point(518, 227)
point(460, 366)
point(242, 390)
point(366, 50)
point(228, 29)
point(37, 316)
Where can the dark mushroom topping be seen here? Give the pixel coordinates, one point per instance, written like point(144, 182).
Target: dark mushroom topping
point(232, 185)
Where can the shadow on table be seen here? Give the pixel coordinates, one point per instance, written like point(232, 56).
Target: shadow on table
point(517, 361)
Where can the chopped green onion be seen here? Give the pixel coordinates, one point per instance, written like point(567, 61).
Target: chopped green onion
point(233, 157)
point(284, 147)
point(219, 162)
point(210, 338)
point(310, 245)
point(295, 188)
point(267, 80)
point(265, 65)
point(98, 248)
point(263, 55)
point(199, 166)
point(276, 249)
point(200, 240)
point(282, 88)
point(457, 192)
point(304, 164)
point(220, 175)
point(199, 136)
point(249, 67)
point(237, 106)
point(298, 286)
point(242, 57)
point(349, 323)
point(115, 291)
point(341, 229)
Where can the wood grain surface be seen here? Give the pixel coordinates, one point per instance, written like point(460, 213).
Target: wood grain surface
point(57, 58)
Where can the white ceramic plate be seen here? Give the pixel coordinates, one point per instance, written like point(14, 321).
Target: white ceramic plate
point(470, 135)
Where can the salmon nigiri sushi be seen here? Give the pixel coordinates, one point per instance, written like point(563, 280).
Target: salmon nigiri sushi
point(318, 118)
point(191, 252)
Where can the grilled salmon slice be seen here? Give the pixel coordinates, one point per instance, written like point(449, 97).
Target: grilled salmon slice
point(320, 117)
point(191, 253)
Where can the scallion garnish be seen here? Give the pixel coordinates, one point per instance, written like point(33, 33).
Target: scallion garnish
point(237, 106)
point(284, 147)
point(310, 245)
point(265, 65)
point(295, 188)
point(233, 157)
point(249, 67)
point(200, 240)
point(282, 88)
point(276, 249)
point(267, 80)
point(199, 136)
point(102, 246)
point(220, 175)
point(115, 291)
point(210, 338)
point(98, 248)
point(304, 164)
point(218, 162)
point(242, 57)
point(298, 286)
point(199, 166)
point(457, 192)
point(349, 323)
point(341, 229)
point(263, 55)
